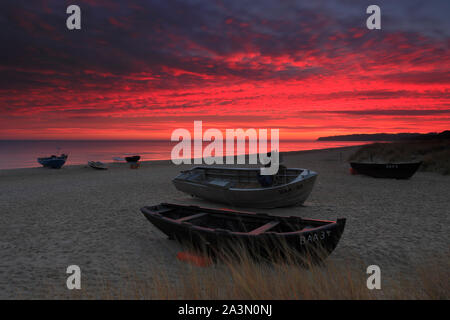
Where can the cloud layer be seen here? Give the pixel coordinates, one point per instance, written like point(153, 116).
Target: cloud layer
point(139, 69)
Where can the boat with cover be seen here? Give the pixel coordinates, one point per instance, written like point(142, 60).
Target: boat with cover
point(218, 231)
point(403, 170)
point(246, 187)
point(54, 162)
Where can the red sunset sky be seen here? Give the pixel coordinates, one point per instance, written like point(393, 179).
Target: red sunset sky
point(140, 69)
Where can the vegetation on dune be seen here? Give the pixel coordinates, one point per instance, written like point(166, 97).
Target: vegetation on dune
point(249, 279)
point(389, 136)
point(435, 154)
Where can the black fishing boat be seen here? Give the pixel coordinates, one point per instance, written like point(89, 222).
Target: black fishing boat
point(386, 170)
point(133, 159)
point(218, 231)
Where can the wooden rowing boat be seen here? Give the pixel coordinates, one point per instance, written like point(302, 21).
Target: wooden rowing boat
point(263, 235)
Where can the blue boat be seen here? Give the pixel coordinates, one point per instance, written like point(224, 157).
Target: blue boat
point(54, 162)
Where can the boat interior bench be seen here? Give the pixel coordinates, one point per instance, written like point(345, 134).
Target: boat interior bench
point(196, 175)
point(194, 216)
point(220, 183)
point(257, 231)
point(264, 228)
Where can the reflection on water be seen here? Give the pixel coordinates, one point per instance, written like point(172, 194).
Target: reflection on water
point(23, 154)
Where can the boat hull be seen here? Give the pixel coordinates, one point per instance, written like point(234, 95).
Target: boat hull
point(53, 162)
point(97, 165)
point(133, 159)
point(316, 243)
point(285, 195)
point(386, 170)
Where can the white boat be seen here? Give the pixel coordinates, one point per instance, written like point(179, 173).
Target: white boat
point(243, 187)
point(97, 165)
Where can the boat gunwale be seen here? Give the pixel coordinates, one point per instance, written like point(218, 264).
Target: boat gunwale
point(328, 224)
point(390, 170)
point(388, 163)
point(61, 157)
point(299, 178)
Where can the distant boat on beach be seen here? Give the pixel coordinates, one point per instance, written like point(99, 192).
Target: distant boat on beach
point(386, 170)
point(262, 235)
point(98, 165)
point(245, 187)
point(133, 159)
point(54, 162)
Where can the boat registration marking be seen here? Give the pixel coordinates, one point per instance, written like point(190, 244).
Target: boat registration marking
point(314, 237)
point(391, 166)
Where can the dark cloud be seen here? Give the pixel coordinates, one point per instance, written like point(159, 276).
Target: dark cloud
point(418, 77)
point(386, 112)
point(193, 43)
point(380, 94)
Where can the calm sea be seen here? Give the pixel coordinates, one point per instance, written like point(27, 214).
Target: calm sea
point(23, 154)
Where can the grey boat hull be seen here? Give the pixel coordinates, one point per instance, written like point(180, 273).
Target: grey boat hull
point(293, 193)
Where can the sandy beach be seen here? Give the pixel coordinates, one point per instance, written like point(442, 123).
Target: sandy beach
point(50, 219)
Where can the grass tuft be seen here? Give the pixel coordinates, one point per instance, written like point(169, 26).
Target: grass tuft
point(247, 278)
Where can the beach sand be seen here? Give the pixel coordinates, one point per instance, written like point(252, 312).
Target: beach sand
point(50, 219)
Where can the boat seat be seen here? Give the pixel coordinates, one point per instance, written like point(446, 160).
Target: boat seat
point(220, 183)
point(164, 210)
point(194, 216)
point(196, 176)
point(264, 228)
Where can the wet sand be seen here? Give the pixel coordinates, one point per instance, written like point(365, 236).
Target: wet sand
point(50, 219)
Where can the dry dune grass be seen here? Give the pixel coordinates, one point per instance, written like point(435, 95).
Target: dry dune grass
point(248, 279)
point(435, 154)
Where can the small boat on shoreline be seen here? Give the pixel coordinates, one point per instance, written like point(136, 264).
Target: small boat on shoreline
point(54, 162)
point(386, 170)
point(133, 159)
point(261, 234)
point(97, 165)
point(243, 187)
